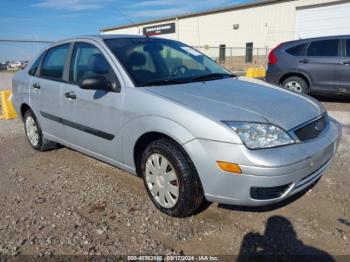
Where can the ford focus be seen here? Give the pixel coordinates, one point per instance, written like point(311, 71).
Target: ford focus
point(163, 111)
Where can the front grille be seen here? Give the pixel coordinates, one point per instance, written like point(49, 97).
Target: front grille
point(312, 130)
point(263, 193)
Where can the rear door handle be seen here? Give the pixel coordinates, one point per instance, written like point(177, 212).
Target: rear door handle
point(36, 86)
point(346, 63)
point(304, 61)
point(70, 95)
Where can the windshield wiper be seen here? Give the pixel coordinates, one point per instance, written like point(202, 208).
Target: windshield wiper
point(212, 76)
point(166, 81)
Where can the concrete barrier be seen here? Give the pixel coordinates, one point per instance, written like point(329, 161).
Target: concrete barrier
point(8, 111)
point(256, 72)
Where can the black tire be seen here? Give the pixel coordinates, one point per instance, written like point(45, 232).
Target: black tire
point(42, 143)
point(304, 88)
point(190, 188)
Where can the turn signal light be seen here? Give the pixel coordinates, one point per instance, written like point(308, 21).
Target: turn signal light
point(229, 167)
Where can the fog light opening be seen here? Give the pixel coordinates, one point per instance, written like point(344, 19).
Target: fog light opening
point(229, 167)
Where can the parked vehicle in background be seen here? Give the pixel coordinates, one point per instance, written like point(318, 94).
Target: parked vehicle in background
point(319, 66)
point(160, 109)
point(3, 67)
point(15, 65)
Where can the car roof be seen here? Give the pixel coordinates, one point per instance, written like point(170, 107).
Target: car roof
point(96, 38)
point(104, 36)
point(317, 38)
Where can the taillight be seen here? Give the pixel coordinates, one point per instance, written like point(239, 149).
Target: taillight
point(272, 56)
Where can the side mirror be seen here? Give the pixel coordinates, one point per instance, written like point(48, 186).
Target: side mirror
point(98, 83)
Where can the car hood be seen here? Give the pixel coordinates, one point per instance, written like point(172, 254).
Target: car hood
point(243, 100)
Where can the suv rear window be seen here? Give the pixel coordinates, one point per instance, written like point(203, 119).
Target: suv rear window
point(298, 50)
point(323, 48)
point(54, 61)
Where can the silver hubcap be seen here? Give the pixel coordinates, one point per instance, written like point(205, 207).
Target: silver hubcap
point(32, 131)
point(162, 181)
point(295, 86)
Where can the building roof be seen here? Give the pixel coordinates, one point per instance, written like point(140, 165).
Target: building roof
point(193, 14)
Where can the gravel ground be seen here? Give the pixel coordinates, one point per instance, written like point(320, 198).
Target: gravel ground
point(63, 202)
point(6, 80)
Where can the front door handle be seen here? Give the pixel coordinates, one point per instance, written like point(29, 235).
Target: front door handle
point(304, 61)
point(70, 95)
point(346, 63)
point(36, 86)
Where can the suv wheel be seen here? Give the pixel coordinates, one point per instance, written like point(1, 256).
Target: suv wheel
point(34, 133)
point(170, 179)
point(296, 84)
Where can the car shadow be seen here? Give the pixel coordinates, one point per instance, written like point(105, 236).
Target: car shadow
point(279, 242)
point(267, 208)
point(337, 99)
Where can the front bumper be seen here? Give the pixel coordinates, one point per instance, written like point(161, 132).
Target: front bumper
point(295, 167)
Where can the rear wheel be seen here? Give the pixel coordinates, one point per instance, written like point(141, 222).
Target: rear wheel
point(170, 179)
point(34, 133)
point(296, 84)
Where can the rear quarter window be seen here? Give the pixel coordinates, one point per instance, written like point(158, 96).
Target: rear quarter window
point(298, 50)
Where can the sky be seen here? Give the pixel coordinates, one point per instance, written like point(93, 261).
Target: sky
point(59, 19)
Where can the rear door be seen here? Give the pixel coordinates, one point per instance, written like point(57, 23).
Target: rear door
point(344, 72)
point(322, 63)
point(46, 90)
point(91, 118)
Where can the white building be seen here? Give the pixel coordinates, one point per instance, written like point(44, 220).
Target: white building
point(260, 24)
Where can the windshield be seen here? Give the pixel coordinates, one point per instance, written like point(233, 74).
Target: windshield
point(152, 61)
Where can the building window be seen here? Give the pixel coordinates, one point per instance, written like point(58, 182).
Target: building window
point(249, 52)
point(222, 54)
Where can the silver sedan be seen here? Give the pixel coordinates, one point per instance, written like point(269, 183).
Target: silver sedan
point(163, 111)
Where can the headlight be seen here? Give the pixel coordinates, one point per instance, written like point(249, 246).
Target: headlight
point(260, 135)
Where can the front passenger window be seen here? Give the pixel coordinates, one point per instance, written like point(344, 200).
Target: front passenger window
point(88, 62)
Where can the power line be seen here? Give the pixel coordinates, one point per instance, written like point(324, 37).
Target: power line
point(125, 16)
point(26, 41)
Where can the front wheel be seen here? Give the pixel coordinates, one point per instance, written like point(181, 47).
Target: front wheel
point(170, 179)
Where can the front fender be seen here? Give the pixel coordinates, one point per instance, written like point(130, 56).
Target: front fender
point(146, 124)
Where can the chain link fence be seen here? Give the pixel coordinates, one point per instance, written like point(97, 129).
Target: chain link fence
point(15, 54)
point(236, 58)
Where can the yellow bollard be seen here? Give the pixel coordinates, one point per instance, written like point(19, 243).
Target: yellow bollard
point(8, 111)
point(250, 72)
point(260, 72)
point(255, 72)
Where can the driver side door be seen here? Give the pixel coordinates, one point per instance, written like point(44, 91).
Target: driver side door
point(91, 118)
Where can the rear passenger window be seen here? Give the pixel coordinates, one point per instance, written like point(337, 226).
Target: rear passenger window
point(348, 47)
point(35, 66)
point(54, 61)
point(298, 50)
point(323, 48)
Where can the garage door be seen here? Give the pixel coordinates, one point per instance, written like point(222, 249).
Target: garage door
point(323, 21)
